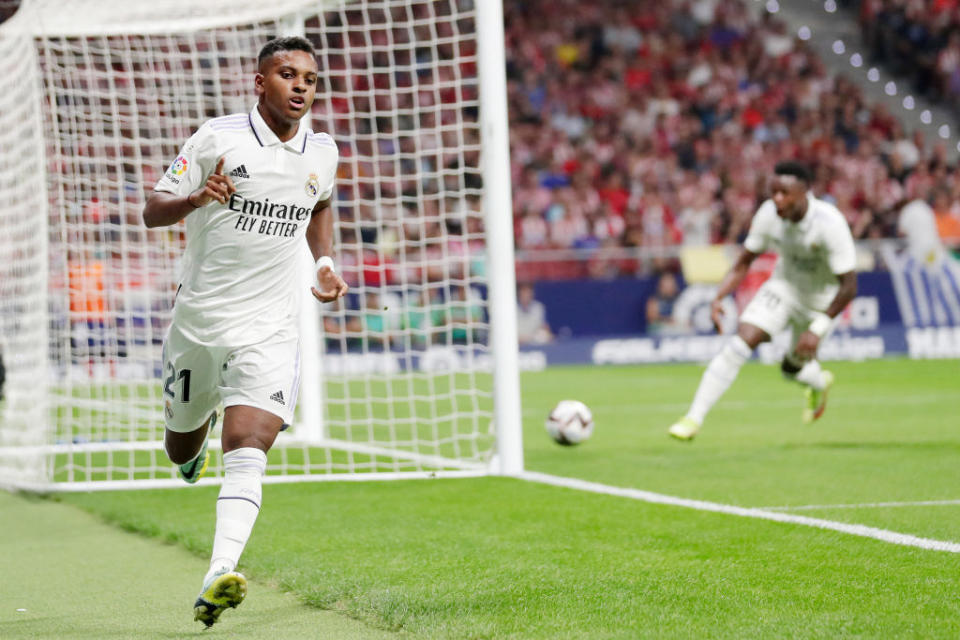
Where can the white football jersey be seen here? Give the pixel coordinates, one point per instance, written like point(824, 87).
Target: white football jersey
point(239, 278)
point(811, 252)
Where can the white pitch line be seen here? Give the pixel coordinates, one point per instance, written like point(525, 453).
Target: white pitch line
point(883, 535)
point(864, 505)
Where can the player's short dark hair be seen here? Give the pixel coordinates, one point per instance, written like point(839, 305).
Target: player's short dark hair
point(286, 43)
point(792, 168)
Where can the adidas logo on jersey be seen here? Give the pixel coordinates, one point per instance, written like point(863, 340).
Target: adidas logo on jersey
point(240, 172)
point(278, 397)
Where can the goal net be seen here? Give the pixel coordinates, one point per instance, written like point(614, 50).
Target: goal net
point(404, 378)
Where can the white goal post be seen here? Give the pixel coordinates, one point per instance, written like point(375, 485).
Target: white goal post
point(414, 375)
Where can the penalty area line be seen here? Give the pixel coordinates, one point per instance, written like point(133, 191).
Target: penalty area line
point(864, 531)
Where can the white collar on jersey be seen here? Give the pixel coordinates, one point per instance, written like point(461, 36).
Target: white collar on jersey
point(267, 138)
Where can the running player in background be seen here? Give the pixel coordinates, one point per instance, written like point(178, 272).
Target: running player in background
point(813, 281)
point(251, 187)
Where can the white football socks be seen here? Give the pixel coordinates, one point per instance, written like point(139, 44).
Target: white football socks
point(237, 506)
point(811, 375)
point(720, 374)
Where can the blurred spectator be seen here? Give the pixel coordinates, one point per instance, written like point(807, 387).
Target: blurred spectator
point(660, 305)
point(948, 218)
point(532, 327)
point(918, 225)
point(458, 317)
point(696, 219)
point(88, 311)
point(918, 39)
point(379, 320)
point(415, 320)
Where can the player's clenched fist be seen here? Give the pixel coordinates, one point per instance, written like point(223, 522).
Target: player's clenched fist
point(332, 286)
point(218, 187)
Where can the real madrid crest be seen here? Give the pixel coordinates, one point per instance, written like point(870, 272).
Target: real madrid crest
point(313, 186)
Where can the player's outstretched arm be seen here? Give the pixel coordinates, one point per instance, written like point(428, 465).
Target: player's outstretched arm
point(809, 340)
point(729, 284)
point(163, 209)
point(320, 240)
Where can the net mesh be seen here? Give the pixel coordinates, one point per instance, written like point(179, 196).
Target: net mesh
point(406, 382)
point(23, 260)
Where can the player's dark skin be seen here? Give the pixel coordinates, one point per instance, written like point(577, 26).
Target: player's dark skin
point(789, 195)
point(285, 85)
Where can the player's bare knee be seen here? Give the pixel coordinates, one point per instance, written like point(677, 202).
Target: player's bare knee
point(260, 441)
point(245, 426)
point(752, 335)
point(256, 435)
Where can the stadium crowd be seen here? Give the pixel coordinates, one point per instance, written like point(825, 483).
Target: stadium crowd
point(651, 126)
point(916, 39)
point(632, 124)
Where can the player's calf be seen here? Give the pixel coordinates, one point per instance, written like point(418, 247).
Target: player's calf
point(192, 469)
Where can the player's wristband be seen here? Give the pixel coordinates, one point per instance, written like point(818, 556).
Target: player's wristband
point(820, 325)
point(325, 261)
point(190, 202)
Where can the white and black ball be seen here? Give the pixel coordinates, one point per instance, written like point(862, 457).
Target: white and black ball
point(570, 422)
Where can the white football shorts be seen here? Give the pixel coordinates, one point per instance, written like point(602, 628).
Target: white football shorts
point(775, 308)
point(197, 378)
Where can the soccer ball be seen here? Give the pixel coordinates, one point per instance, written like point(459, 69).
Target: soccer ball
point(570, 422)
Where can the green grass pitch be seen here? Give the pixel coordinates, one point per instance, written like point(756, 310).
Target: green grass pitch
point(507, 558)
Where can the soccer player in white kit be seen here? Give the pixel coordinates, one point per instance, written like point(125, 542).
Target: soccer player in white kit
point(813, 281)
point(251, 187)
